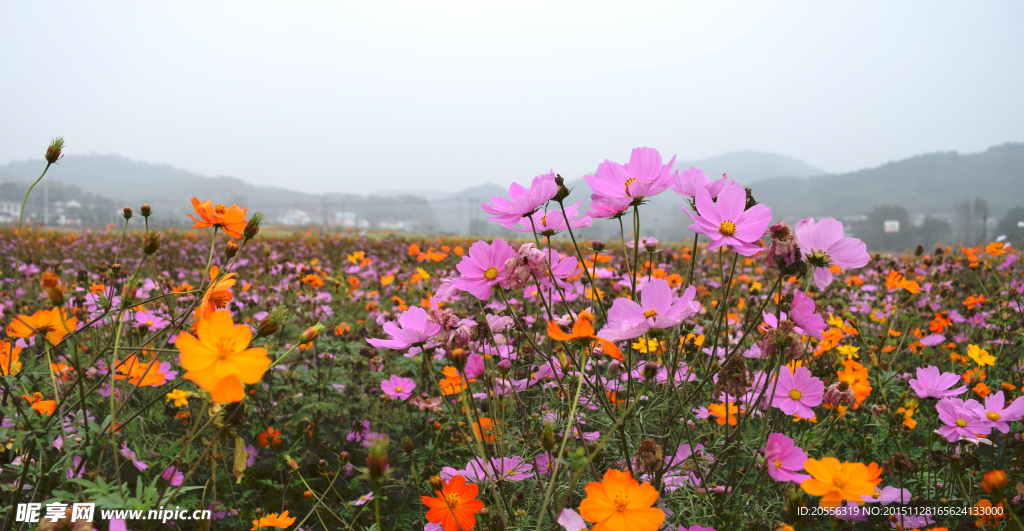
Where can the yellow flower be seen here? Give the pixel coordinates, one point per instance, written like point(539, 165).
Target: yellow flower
point(834, 482)
point(647, 345)
point(220, 359)
point(179, 397)
point(849, 351)
point(981, 357)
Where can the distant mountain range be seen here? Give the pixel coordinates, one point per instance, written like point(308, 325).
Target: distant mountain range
point(929, 184)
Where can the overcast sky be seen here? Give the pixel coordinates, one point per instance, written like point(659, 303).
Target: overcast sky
point(364, 96)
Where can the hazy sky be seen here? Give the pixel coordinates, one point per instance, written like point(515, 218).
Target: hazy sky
point(364, 96)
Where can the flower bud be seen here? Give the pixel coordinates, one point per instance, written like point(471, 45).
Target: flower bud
point(273, 322)
point(597, 245)
point(547, 437)
point(650, 370)
point(311, 333)
point(127, 213)
point(651, 246)
point(258, 511)
point(115, 270)
point(407, 445)
point(562, 192)
point(377, 460)
point(291, 462)
point(459, 358)
point(53, 152)
point(321, 463)
point(504, 366)
point(151, 243)
point(308, 495)
point(343, 458)
point(231, 249)
point(436, 482)
point(252, 228)
point(146, 210)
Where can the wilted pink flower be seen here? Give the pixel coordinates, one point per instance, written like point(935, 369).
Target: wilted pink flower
point(413, 327)
point(929, 383)
point(997, 414)
point(689, 181)
point(522, 201)
point(802, 313)
point(398, 387)
point(657, 309)
point(552, 221)
point(796, 394)
point(960, 419)
point(483, 268)
point(783, 458)
point(527, 262)
point(726, 223)
point(643, 176)
point(823, 246)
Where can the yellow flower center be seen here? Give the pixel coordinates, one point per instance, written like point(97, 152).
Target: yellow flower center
point(149, 322)
point(544, 220)
point(992, 415)
point(778, 464)
point(398, 388)
point(220, 209)
point(219, 299)
point(961, 422)
point(621, 502)
point(795, 394)
point(651, 314)
point(452, 499)
point(727, 228)
point(629, 181)
point(491, 273)
point(839, 482)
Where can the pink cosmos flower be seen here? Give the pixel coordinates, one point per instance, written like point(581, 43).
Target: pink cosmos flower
point(643, 176)
point(657, 309)
point(929, 383)
point(796, 394)
point(562, 267)
point(889, 495)
point(502, 469)
point(803, 315)
point(726, 223)
point(689, 181)
point(609, 208)
point(523, 201)
point(995, 415)
point(783, 458)
point(960, 420)
point(368, 497)
point(173, 476)
point(398, 387)
point(150, 320)
point(823, 246)
point(484, 267)
point(571, 520)
point(414, 326)
point(771, 322)
point(129, 454)
point(552, 221)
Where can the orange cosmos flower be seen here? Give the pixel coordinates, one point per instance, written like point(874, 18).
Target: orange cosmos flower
point(455, 505)
point(230, 219)
point(220, 359)
point(452, 382)
point(995, 248)
point(280, 522)
point(488, 428)
point(719, 412)
point(217, 296)
point(52, 324)
point(9, 358)
point(834, 482)
point(271, 437)
point(621, 503)
point(44, 407)
point(313, 281)
point(386, 280)
point(856, 375)
point(140, 373)
point(584, 329)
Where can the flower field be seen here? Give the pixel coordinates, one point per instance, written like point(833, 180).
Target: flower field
point(758, 377)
